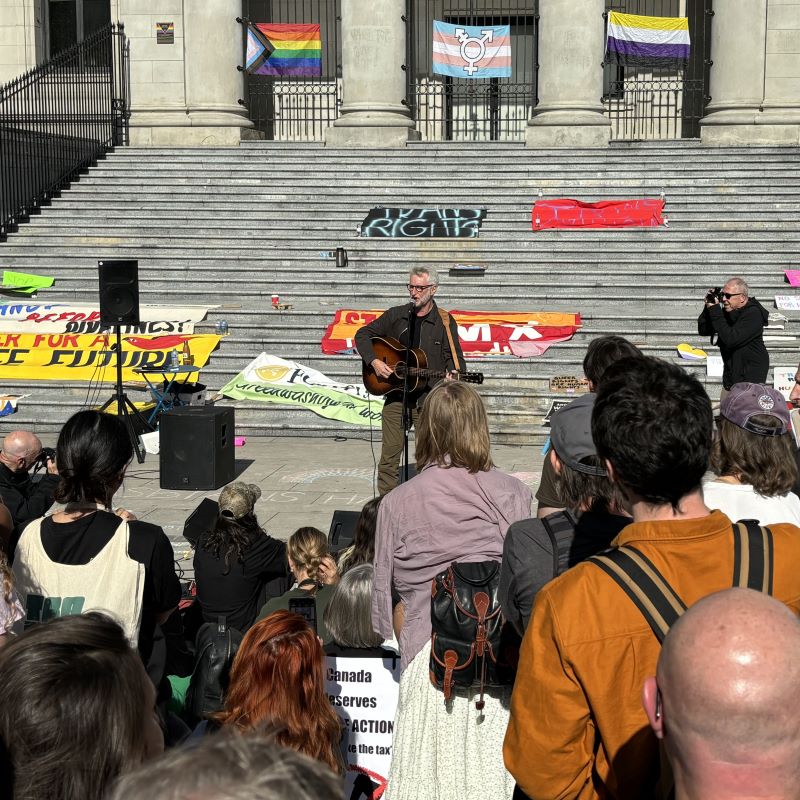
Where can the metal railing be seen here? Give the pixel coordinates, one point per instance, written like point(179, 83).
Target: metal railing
point(57, 119)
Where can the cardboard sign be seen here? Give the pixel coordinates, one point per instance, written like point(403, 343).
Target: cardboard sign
point(783, 379)
point(554, 406)
point(364, 692)
point(569, 384)
point(787, 302)
point(714, 366)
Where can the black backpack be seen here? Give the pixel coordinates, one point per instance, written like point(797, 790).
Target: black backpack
point(215, 647)
point(468, 641)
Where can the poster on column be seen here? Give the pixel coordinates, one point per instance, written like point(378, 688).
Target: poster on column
point(73, 357)
point(363, 692)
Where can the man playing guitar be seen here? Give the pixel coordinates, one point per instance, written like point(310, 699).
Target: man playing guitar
point(430, 336)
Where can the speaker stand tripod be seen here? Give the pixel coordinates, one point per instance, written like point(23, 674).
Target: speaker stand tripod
point(126, 410)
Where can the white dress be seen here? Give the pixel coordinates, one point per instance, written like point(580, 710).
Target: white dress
point(741, 501)
point(441, 753)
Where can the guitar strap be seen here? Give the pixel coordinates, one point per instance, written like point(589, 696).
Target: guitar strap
point(446, 322)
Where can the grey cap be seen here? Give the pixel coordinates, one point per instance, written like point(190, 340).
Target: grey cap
point(747, 400)
point(237, 499)
point(571, 434)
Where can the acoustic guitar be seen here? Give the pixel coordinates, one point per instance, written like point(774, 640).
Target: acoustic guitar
point(392, 352)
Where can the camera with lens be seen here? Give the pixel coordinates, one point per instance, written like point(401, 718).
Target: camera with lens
point(714, 295)
point(47, 454)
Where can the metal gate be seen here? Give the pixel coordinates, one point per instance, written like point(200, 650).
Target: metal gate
point(297, 109)
point(464, 109)
point(661, 104)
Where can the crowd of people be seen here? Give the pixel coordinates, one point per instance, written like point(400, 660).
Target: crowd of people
point(642, 623)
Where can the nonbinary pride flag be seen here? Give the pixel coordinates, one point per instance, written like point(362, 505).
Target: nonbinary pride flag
point(638, 41)
point(464, 51)
point(284, 50)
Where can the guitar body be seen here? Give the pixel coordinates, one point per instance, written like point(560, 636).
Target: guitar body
point(392, 352)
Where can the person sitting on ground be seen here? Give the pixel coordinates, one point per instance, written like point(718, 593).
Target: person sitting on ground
point(86, 557)
point(600, 355)
point(457, 508)
point(753, 457)
point(726, 698)
point(234, 561)
point(577, 728)
point(25, 499)
point(76, 710)
point(314, 573)
point(362, 550)
point(231, 767)
point(277, 680)
point(348, 617)
point(537, 550)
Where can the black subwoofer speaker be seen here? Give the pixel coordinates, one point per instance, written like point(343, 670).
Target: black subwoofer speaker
point(196, 447)
point(119, 292)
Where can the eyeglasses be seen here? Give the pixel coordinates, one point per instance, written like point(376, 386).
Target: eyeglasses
point(412, 288)
point(728, 295)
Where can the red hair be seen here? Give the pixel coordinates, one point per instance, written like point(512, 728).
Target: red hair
point(277, 680)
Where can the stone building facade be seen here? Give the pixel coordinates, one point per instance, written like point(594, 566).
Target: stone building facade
point(187, 89)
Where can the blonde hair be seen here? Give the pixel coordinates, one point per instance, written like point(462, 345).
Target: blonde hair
point(307, 547)
point(453, 430)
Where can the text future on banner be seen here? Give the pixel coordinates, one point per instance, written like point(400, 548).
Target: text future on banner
point(481, 333)
point(638, 41)
point(464, 51)
point(284, 50)
point(73, 357)
point(270, 379)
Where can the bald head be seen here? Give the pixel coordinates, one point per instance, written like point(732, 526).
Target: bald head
point(20, 448)
point(729, 676)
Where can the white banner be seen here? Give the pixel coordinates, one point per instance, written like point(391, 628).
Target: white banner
point(783, 379)
point(363, 692)
point(85, 318)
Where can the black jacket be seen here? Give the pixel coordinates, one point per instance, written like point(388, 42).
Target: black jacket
point(25, 499)
point(740, 340)
point(432, 338)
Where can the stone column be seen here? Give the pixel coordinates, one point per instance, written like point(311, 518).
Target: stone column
point(214, 85)
point(373, 80)
point(782, 81)
point(571, 48)
point(738, 45)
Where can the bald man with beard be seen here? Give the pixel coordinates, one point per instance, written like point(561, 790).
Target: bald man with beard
point(726, 699)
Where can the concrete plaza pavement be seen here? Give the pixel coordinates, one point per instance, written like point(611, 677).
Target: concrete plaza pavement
point(302, 480)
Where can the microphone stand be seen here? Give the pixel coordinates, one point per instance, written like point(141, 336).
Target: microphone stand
point(407, 415)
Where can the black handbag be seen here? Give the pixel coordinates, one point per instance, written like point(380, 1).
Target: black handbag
point(467, 625)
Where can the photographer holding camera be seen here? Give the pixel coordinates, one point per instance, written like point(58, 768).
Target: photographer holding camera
point(26, 499)
point(737, 320)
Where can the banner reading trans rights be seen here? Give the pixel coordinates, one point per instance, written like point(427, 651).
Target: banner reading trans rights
point(270, 379)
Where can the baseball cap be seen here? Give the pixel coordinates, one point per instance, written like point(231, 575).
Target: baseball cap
point(571, 434)
point(237, 499)
point(747, 400)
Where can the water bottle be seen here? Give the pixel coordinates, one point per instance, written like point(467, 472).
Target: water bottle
point(222, 327)
point(173, 359)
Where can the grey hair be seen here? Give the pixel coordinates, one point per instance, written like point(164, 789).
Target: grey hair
point(348, 616)
point(433, 275)
point(231, 766)
point(741, 286)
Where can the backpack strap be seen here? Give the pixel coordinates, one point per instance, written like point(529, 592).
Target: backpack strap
point(446, 322)
point(753, 562)
point(553, 544)
point(567, 522)
point(638, 577)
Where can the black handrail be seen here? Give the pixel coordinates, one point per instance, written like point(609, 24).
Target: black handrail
point(57, 119)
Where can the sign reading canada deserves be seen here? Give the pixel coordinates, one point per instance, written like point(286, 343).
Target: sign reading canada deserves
point(364, 692)
point(74, 357)
point(85, 318)
point(526, 333)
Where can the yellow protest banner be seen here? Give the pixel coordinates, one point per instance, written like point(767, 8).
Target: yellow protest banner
point(76, 357)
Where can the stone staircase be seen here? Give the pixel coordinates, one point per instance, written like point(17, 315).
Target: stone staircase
point(233, 226)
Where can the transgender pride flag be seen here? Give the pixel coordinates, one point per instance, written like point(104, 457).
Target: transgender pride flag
point(464, 51)
point(637, 41)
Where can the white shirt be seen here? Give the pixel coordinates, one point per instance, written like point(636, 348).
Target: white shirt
point(741, 501)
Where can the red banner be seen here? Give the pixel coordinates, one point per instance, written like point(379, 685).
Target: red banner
point(604, 214)
point(521, 333)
